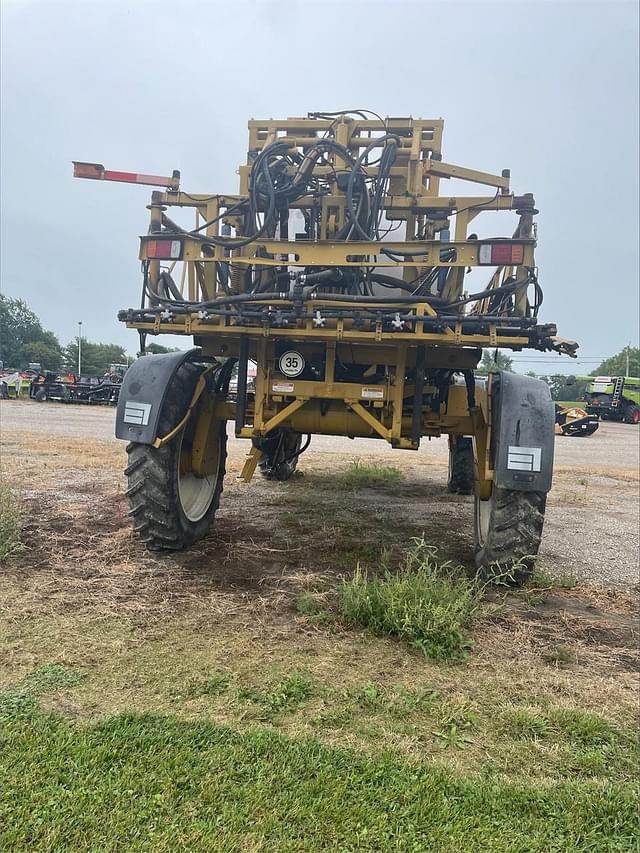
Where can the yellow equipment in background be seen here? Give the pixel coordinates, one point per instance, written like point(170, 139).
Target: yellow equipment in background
point(574, 421)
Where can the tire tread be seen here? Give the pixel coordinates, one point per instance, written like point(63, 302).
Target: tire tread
point(514, 535)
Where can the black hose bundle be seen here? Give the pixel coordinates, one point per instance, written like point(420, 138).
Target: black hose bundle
point(280, 175)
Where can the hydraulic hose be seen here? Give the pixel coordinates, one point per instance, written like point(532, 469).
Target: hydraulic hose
point(352, 176)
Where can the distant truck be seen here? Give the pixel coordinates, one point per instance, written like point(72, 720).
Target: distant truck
point(614, 398)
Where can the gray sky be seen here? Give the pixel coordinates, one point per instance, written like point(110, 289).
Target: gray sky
point(547, 89)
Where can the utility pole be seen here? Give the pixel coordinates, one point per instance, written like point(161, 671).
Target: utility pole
point(79, 347)
point(628, 349)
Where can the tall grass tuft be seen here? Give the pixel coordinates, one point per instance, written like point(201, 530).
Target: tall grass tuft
point(428, 603)
point(9, 524)
point(360, 475)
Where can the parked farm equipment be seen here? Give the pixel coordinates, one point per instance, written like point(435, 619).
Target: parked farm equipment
point(614, 398)
point(574, 421)
point(76, 389)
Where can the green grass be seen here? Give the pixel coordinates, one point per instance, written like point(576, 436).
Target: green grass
point(155, 783)
point(588, 743)
point(211, 685)
point(360, 475)
point(427, 603)
point(583, 728)
point(560, 655)
point(49, 678)
point(9, 523)
point(285, 696)
point(540, 578)
point(523, 724)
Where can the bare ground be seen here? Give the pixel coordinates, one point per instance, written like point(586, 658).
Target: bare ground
point(591, 527)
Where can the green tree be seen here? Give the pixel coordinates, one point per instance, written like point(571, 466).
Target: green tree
point(158, 349)
point(46, 350)
point(494, 360)
point(96, 358)
point(617, 364)
point(22, 338)
point(566, 388)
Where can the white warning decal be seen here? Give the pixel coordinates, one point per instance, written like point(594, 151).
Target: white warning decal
point(524, 458)
point(136, 413)
point(372, 393)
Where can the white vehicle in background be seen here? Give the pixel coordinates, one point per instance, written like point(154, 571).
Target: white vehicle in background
point(251, 380)
point(10, 381)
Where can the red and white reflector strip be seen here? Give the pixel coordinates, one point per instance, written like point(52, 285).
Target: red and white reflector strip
point(500, 254)
point(97, 172)
point(164, 250)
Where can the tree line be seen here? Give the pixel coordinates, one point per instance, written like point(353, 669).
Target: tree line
point(563, 386)
point(24, 340)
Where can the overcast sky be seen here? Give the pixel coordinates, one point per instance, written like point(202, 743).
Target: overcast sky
point(547, 89)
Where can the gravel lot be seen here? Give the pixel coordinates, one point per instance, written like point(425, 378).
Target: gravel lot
point(591, 527)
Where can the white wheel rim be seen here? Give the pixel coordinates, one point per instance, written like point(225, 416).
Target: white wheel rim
point(195, 493)
point(483, 516)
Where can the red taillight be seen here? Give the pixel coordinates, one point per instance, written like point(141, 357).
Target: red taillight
point(164, 250)
point(500, 254)
point(88, 170)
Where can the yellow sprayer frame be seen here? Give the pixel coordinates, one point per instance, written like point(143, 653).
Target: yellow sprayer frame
point(422, 340)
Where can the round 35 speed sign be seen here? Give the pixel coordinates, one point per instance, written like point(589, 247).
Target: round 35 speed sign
point(291, 363)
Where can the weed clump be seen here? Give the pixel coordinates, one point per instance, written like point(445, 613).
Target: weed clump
point(313, 605)
point(523, 724)
point(360, 475)
point(560, 656)
point(583, 728)
point(427, 603)
point(284, 697)
point(9, 524)
point(212, 685)
point(543, 580)
point(49, 678)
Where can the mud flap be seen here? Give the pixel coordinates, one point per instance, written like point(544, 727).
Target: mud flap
point(143, 392)
point(524, 432)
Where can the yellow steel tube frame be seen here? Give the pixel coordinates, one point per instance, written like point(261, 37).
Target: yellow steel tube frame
point(338, 254)
point(412, 197)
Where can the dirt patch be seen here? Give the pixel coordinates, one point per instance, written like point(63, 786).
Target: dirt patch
point(602, 636)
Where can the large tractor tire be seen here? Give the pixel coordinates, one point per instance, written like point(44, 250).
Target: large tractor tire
point(461, 465)
point(171, 506)
point(507, 532)
point(280, 454)
point(632, 414)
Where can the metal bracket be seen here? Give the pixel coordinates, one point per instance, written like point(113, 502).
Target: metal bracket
point(250, 465)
